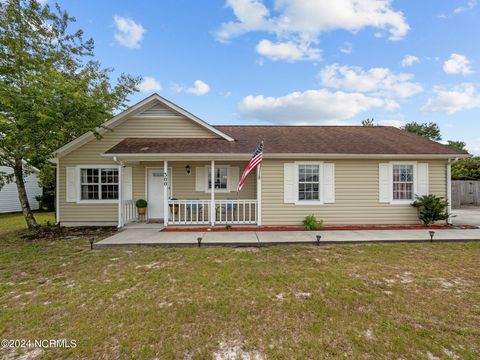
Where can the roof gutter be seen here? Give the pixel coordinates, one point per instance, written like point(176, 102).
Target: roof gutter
point(284, 156)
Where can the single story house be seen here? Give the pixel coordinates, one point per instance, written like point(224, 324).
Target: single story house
point(158, 151)
point(9, 201)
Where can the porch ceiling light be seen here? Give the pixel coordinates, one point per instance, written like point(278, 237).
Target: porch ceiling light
point(188, 169)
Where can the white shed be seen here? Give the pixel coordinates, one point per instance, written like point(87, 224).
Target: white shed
point(9, 195)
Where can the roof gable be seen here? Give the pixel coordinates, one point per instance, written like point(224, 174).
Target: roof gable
point(152, 106)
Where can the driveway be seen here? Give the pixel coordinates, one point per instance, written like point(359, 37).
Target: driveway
point(467, 215)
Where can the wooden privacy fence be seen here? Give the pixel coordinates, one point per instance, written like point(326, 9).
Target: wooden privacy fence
point(465, 192)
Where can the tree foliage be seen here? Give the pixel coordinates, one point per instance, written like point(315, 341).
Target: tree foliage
point(51, 91)
point(466, 169)
point(457, 145)
point(368, 122)
point(427, 130)
point(431, 208)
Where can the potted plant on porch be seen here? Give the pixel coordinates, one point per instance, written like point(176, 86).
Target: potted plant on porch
point(174, 208)
point(141, 205)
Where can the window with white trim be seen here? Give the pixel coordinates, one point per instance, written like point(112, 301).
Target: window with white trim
point(220, 178)
point(403, 181)
point(98, 184)
point(308, 182)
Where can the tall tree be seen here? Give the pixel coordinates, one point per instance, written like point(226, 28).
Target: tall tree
point(427, 130)
point(368, 122)
point(50, 89)
point(457, 145)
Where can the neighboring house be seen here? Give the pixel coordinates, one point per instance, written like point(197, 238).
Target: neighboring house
point(341, 174)
point(9, 201)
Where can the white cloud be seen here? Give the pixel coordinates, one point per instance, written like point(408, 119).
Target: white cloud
point(346, 48)
point(409, 60)
point(469, 6)
point(377, 81)
point(129, 33)
point(199, 88)
point(457, 64)
point(461, 97)
point(392, 122)
point(302, 21)
point(288, 51)
point(149, 84)
point(309, 107)
point(252, 15)
point(458, 10)
point(473, 146)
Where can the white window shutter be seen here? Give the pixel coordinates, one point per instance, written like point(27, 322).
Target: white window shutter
point(328, 183)
point(71, 188)
point(127, 185)
point(233, 177)
point(289, 183)
point(422, 179)
point(384, 183)
point(200, 178)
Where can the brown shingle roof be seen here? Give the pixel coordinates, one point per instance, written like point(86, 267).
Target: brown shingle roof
point(293, 139)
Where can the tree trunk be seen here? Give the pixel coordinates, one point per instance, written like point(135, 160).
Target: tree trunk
point(22, 194)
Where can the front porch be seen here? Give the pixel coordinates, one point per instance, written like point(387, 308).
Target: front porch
point(184, 196)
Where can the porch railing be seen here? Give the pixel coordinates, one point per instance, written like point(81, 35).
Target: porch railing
point(192, 212)
point(235, 211)
point(129, 211)
point(189, 212)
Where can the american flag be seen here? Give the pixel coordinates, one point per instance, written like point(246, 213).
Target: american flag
point(256, 159)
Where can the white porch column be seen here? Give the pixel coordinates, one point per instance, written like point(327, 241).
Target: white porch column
point(449, 191)
point(120, 196)
point(259, 194)
point(165, 193)
point(212, 193)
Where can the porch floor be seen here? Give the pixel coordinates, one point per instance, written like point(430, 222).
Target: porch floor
point(139, 236)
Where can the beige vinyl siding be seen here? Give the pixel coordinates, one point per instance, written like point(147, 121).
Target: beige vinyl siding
point(356, 196)
point(89, 154)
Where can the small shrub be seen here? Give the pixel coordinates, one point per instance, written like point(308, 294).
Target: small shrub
point(431, 208)
point(311, 223)
point(228, 227)
point(141, 203)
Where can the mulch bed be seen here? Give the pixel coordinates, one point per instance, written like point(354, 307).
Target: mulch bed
point(324, 228)
point(67, 233)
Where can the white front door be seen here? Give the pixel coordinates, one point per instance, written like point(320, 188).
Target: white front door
point(155, 193)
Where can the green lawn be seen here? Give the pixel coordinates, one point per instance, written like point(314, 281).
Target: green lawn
point(393, 301)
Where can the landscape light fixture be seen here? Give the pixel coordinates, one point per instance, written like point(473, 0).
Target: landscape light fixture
point(91, 240)
point(432, 233)
point(318, 239)
point(199, 240)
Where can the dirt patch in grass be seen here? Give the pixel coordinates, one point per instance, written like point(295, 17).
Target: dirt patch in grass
point(66, 233)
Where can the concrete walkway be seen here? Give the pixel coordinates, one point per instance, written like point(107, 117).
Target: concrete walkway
point(466, 215)
point(264, 238)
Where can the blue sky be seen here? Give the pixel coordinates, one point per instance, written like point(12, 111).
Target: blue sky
point(299, 61)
